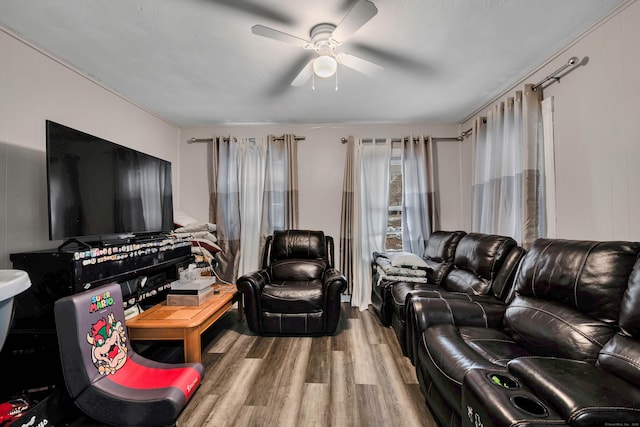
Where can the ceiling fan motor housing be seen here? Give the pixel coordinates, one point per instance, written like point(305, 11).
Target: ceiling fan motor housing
point(321, 40)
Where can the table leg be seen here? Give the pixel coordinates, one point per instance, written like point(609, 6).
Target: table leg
point(192, 345)
point(240, 308)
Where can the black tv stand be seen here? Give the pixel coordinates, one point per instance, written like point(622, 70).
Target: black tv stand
point(79, 243)
point(144, 271)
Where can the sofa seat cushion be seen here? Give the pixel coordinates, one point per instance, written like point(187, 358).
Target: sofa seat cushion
point(293, 297)
point(447, 352)
point(582, 393)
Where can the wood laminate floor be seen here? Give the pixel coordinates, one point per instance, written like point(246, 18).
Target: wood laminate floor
point(357, 377)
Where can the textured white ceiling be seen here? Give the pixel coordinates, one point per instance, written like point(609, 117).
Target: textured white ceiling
point(197, 63)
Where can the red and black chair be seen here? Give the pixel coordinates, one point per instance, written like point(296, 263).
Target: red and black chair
point(105, 378)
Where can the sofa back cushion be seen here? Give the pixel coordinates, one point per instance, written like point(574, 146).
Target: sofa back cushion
point(477, 264)
point(439, 253)
point(568, 296)
point(441, 245)
point(621, 354)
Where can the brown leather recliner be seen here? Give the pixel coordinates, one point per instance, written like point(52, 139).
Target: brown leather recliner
point(297, 291)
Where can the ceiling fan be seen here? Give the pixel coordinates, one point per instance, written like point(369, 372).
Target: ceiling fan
point(324, 39)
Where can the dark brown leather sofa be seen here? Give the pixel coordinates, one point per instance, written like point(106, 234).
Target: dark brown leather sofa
point(483, 265)
point(297, 290)
point(565, 352)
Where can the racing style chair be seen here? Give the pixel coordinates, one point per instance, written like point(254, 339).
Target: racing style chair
point(105, 378)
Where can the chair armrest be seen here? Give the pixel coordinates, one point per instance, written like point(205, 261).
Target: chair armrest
point(250, 286)
point(582, 393)
point(335, 283)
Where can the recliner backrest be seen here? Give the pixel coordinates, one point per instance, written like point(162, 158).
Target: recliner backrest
point(620, 355)
point(484, 264)
point(568, 295)
point(299, 254)
point(439, 253)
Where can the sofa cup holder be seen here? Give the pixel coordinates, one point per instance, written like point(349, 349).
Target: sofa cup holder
point(529, 406)
point(503, 381)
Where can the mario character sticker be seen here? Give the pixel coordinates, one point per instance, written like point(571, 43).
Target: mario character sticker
point(107, 338)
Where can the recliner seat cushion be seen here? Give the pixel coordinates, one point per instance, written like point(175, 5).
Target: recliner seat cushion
point(293, 297)
point(447, 352)
point(296, 287)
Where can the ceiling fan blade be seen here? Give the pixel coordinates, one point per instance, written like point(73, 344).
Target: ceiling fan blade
point(257, 9)
point(263, 31)
point(359, 64)
point(359, 15)
point(304, 75)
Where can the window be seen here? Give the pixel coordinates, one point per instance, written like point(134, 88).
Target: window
point(393, 240)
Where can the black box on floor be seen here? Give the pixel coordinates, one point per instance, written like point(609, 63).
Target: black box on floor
point(47, 410)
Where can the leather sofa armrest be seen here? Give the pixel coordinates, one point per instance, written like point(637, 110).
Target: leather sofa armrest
point(250, 285)
point(460, 312)
point(585, 395)
point(430, 309)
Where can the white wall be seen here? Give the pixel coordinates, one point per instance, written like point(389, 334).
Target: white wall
point(597, 153)
point(321, 158)
point(34, 88)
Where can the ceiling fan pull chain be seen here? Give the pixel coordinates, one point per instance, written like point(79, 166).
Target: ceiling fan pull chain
point(313, 81)
point(336, 79)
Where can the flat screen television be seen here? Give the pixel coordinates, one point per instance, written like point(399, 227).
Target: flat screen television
point(99, 190)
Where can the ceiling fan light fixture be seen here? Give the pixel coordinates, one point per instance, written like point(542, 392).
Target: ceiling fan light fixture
point(325, 66)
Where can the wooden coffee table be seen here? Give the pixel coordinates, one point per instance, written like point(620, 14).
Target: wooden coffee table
point(186, 323)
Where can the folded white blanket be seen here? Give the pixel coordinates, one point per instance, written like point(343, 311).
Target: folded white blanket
point(382, 276)
point(390, 270)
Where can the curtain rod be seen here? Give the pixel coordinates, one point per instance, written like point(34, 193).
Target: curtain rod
point(279, 138)
point(554, 76)
point(459, 138)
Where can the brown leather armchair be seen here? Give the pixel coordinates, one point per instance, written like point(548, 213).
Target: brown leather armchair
point(297, 290)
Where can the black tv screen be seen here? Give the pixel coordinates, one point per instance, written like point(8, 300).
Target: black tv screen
point(97, 188)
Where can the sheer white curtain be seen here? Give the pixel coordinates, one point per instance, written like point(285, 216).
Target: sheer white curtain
point(419, 215)
point(508, 197)
point(371, 211)
point(251, 181)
